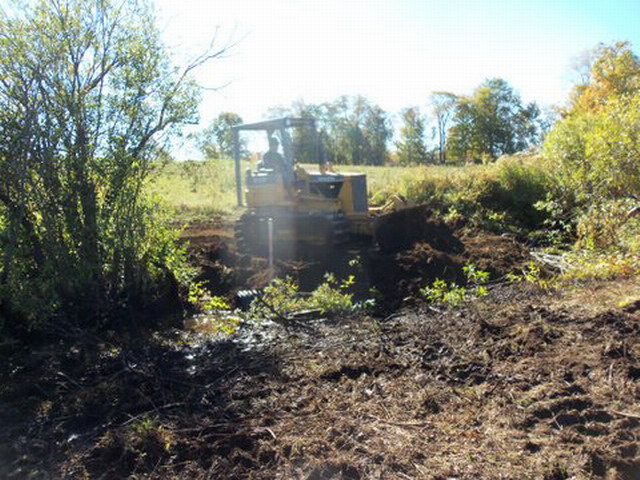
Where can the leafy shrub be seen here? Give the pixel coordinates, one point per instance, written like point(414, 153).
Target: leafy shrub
point(282, 298)
point(521, 183)
point(594, 155)
point(451, 294)
point(81, 240)
point(531, 273)
point(608, 243)
point(607, 224)
point(600, 265)
point(441, 292)
point(331, 296)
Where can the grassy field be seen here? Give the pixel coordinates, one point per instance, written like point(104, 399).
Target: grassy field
point(200, 190)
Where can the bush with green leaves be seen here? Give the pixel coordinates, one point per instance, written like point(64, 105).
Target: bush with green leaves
point(332, 297)
point(282, 298)
point(441, 292)
point(88, 98)
point(594, 155)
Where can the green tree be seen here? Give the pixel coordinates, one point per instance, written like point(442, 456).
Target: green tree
point(216, 140)
point(377, 132)
point(609, 72)
point(87, 99)
point(462, 136)
point(357, 131)
point(411, 148)
point(493, 122)
point(443, 106)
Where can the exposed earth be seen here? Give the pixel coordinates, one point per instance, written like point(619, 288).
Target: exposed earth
point(523, 383)
point(415, 250)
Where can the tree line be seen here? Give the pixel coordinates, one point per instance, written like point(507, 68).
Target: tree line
point(490, 122)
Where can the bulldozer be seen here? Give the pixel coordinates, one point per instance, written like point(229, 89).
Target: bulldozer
point(303, 212)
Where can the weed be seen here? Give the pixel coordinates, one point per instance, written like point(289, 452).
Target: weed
point(146, 435)
point(474, 275)
point(330, 296)
point(531, 273)
point(441, 292)
point(600, 265)
point(451, 294)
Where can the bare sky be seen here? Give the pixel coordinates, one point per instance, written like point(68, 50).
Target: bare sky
point(393, 52)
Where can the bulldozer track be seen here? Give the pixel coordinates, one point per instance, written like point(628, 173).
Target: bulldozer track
point(293, 234)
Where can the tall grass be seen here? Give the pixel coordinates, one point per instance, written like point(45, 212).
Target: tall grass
point(499, 194)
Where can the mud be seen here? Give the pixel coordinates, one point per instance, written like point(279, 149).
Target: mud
point(519, 385)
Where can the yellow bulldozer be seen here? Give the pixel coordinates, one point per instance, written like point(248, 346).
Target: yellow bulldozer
point(304, 210)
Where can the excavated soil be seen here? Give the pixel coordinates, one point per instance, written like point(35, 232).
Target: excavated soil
point(412, 250)
point(523, 384)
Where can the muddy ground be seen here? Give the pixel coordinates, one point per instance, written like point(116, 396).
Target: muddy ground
point(523, 383)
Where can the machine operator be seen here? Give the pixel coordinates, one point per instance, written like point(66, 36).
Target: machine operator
point(273, 159)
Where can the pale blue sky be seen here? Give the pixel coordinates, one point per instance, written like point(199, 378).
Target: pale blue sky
point(393, 52)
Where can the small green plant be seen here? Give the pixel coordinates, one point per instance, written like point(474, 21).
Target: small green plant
point(513, 277)
point(146, 434)
point(330, 296)
point(474, 275)
point(216, 302)
point(441, 292)
point(531, 273)
point(559, 223)
point(451, 294)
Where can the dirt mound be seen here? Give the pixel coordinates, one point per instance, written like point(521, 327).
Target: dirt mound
point(401, 274)
point(402, 229)
point(414, 249)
